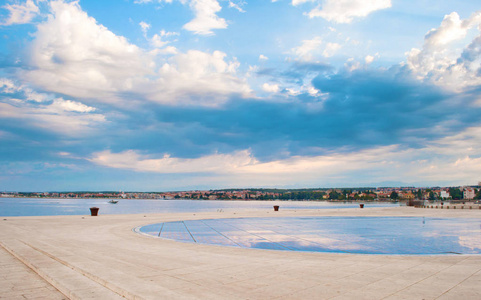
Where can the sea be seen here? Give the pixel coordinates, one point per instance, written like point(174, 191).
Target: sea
point(10, 207)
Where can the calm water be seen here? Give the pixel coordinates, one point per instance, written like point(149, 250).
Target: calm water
point(50, 207)
point(373, 235)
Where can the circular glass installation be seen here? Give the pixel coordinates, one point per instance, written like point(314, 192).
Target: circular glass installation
point(369, 235)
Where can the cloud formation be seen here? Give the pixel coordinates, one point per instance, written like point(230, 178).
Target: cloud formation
point(205, 14)
point(206, 17)
point(304, 51)
point(51, 114)
point(266, 101)
point(73, 55)
point(21, 13)
point(442, 61)
point(345, 11)
point(218, 163)
point(406, 165)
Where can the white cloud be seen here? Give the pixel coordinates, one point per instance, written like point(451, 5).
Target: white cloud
point(157, 40)
point(331, 49)
point(309, 49)
point(304, 52)
point(21, 13)
point(205, 14)
point(74, 55)
point(452, 28)
point(195, 77)
point(263, 57)
point(51, 119)
point(237, 5)
point(369, 59)
point(344, 11)
point(67, 117)
point(206, 17)
point(132, 160)
point(442, 60)
point(34, 96)
point(69, 105)
point(440, 162)
point(144, 26)
point(8, 86)
point(298, 2)
point(270, 88)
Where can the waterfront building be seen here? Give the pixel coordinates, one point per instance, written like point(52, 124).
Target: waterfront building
point(445, 194)
point(468, 193)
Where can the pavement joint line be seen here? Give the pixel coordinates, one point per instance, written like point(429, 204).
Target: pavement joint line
point(478, 271)
point(425, 279)
point(64, 291)
point(118, 290)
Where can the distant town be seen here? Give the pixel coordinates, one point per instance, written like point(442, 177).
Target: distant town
point(459, 193)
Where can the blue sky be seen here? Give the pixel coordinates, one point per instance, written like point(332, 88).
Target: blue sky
point(204, 94)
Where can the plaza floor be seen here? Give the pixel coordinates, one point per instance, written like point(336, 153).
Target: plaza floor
point(84, 257)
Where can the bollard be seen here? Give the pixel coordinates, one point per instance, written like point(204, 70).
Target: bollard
point(276, 207)
point(94, 211)
point(361, 205)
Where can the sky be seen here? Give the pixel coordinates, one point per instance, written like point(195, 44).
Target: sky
point(163, 95)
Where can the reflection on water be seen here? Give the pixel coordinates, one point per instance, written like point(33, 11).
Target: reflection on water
point(374, 235)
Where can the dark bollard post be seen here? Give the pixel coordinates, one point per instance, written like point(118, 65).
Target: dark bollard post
point(361, 205)
point(276, 207)
point(94, 211)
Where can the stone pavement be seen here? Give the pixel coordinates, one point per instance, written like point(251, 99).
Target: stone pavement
point(20, 282)
point(101, 257)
